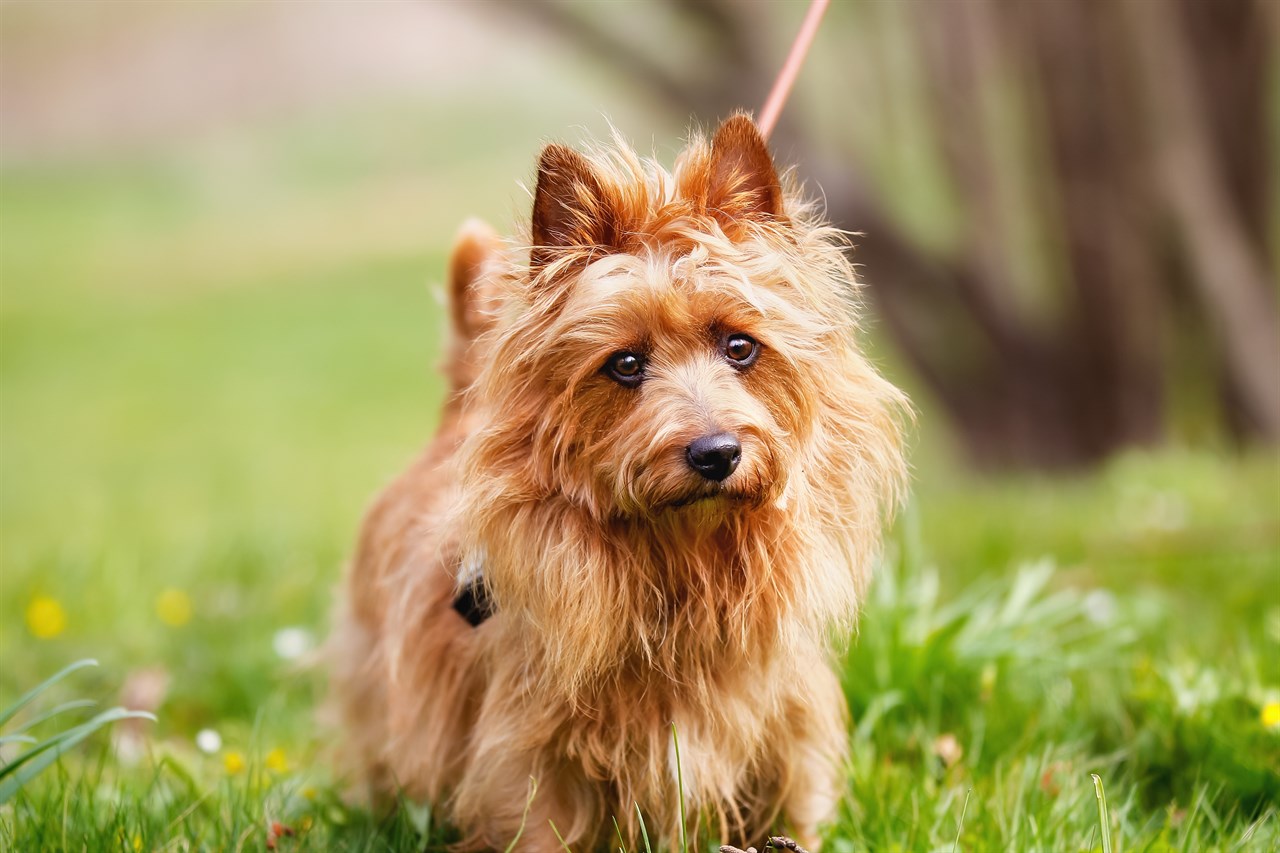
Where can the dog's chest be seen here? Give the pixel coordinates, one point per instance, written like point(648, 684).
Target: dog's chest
point(704, 752)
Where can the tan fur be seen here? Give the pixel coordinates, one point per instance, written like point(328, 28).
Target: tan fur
point(630, 594)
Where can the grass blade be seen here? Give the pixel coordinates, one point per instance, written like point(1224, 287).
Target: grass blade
point(960, 829)
point(528, 804)
point(27, 765)
point(622, 842)
point(1103, 819)
point(8, 713)
point(47, 715)
point(559, 837)
point(644, 832)
point(675, 740)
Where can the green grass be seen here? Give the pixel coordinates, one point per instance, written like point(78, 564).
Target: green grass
point(196, 407)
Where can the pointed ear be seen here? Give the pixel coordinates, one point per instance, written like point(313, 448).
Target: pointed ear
point(571, 210)
point(742, 183)
point(472, 300)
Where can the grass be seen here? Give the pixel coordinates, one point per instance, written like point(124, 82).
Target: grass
point(35, 755)
point(189, 438)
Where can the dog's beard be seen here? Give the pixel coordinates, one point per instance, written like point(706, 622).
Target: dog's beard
point(714, 496)
point(708, 510)
point(702, 503)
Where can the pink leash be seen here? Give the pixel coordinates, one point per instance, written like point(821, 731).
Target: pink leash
point(791, 68)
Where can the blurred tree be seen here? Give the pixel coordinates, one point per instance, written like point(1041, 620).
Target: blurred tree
point(1144, 156)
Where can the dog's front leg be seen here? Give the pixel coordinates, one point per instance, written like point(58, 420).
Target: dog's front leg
point(513, 798)
point(809, 754)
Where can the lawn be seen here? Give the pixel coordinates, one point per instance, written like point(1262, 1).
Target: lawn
point(199, 396)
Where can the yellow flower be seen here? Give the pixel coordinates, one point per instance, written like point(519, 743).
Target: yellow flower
point(173, 606)
point(276, 761)
point(137, 843)
point(309, 792)
point(1271, 715)
point(988, 682)
point(234, 762)
point(45, 617)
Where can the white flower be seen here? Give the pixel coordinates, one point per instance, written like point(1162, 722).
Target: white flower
point(1100, 607)
point(292, 643)
point(208, 741)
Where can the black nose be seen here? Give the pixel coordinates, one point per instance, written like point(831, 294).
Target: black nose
point(714, 456)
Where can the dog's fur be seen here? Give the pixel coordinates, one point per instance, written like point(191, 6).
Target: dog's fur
point(630, 593)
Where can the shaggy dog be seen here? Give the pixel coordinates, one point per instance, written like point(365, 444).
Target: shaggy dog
point(656, 494)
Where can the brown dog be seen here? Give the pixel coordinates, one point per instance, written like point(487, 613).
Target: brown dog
point(662, 476)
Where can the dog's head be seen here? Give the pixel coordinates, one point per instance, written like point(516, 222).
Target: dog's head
point(682, 344)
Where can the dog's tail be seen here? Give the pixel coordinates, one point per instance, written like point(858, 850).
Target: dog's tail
point(472, 297)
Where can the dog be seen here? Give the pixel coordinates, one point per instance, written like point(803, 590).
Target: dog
point(614, 585)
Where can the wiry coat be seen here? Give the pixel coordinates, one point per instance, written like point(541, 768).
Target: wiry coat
point(630, 594)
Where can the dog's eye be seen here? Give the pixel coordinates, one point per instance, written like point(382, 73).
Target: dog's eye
point(741, 350)
point(625, 368)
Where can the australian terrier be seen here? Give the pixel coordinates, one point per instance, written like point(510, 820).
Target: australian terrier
point(646, 521)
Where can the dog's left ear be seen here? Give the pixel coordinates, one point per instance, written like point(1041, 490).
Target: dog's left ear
point(742, 183)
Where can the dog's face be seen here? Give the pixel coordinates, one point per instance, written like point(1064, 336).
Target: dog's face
point(673, 384)
point(676, 337)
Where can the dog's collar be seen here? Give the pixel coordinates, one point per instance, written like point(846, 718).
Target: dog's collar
point(472, 601)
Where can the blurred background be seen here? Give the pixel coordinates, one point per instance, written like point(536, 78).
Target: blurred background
point(223, 227)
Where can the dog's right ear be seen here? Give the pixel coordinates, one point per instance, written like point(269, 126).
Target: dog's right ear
point(472, 300)
point(742, 183)
point(572, 210)
point(472, 297)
